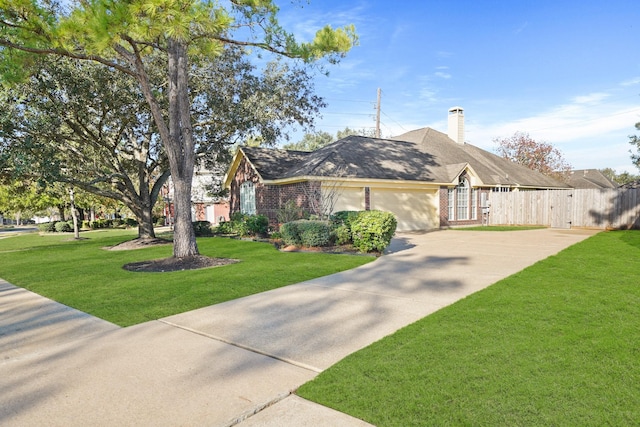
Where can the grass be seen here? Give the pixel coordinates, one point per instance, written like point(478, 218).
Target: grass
point(82, 275)
point(500, 228)
point(556, 344)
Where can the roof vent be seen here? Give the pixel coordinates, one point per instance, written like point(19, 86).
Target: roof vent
point(456, 124)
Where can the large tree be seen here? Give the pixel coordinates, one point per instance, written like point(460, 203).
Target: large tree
point(88, 126)
point(539, 156)
point(123, 35)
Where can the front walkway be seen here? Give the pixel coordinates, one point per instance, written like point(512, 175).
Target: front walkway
point(219, 365)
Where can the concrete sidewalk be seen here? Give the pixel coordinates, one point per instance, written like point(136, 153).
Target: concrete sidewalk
point(219, 365)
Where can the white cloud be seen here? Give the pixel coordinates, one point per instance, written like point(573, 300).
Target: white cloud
point(442, 75)
point(631, 82)
point(591, 130)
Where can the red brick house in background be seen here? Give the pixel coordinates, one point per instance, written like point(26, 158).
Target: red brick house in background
point(426, 178)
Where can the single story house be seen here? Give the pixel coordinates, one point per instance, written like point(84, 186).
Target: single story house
point(590, 179)
point(428, 179)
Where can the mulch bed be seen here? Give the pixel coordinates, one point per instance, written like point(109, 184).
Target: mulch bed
point(178, 264)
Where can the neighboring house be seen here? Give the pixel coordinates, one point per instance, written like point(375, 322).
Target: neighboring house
point(426, 178)
point(204, 207)
point(590, 179)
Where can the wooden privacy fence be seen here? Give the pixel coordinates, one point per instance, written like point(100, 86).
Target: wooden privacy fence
point(593, 208)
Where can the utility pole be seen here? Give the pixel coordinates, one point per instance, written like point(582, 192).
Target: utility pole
point(378, 114)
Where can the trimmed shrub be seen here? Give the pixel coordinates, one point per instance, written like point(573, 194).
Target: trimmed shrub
point(86, 225)
point(306, 233)
point(100, 223)
point(47, 227)
point(275, 235)
point(257, 225)
point(63, 227)
point(342, 234)
point(130, 222)
point(225, 227)
point(315, 233)
point(341, 225)
point(373, 230)
point(160, 221)
point(245, 225)
point(291, 233)
point(202, 228)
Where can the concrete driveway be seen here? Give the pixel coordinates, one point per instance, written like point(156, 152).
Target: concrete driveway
point(238, 362)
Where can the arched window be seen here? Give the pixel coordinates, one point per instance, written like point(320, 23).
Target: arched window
point(462, 199)
point(248, 198)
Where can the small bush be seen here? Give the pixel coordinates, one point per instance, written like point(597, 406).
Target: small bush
point(342, 234)
point(225, 227)
point(160, 221)
point(276, 235)
point(130, 222)
point(63, 227)
point(86, 224)
point(257, 225)
point(315, 233)
point(291, 233)
point(202, 228)
point(47, 227)
point(245, 225)
point(100, 223)
point(373, 230)
point(306, 233)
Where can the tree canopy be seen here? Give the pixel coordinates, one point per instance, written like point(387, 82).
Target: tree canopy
point(539, 156)
point(129, 35)
point(88, 126)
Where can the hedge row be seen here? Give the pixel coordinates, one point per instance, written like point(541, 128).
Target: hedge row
point(67, 226)
point(368, 231)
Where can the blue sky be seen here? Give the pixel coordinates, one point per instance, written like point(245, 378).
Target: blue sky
point(566, 72)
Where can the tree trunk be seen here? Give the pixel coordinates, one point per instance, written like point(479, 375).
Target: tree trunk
point(180, 150)
point(184, 238)
point(74, 215)
point(145, 224)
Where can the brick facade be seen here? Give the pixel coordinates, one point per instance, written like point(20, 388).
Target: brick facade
point(270, 198)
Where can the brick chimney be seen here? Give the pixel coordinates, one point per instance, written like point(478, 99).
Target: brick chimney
point(456, 124)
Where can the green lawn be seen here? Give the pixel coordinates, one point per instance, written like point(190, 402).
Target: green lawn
point(82, 275)
point(556, 344)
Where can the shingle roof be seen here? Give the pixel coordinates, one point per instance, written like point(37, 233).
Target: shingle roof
point(422, 155)
point(590, 178)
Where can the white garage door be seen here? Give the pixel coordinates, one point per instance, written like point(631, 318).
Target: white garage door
point(415, 210)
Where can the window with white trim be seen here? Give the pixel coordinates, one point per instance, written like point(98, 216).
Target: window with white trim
point(452, 203)
point(462, 200)
point(248, 198)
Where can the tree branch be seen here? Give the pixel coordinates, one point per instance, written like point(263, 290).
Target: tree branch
point(66, 53)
